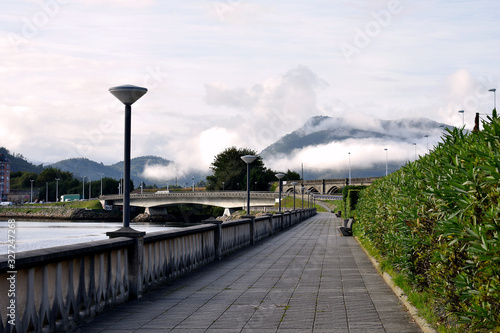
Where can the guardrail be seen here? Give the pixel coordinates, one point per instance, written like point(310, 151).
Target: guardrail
point(55, 289)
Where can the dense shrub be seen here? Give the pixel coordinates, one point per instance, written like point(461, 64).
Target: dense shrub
point(350, 195)
point(437, 221)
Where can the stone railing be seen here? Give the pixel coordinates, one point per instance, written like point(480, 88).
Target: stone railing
point(55, 289)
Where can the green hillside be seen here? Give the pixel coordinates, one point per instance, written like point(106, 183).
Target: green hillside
point(19, 163)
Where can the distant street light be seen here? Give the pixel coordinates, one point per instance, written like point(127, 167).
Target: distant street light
point(494, 90)
point(415, 150)
point(101, 182)
point(294, 183)
point(223, 186)
point(57, 189)
point(463, 116)
point(31, 195)
point(248, 159)
point(426, 136)
point(83, 186)
point(46, 191)
point(280, 177)
point(128, 95)
point(386, 159)
point(302, 191)
point(349, 168)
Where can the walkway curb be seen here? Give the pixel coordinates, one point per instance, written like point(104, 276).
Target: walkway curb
point(424, 325)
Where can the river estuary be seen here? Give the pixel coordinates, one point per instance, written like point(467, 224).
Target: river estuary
point(32, 235)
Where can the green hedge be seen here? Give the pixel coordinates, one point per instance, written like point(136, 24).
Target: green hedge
point(350, 195)
point(437, 222)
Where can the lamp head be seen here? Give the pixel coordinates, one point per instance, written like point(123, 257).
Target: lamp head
point(128, 94)
point(280, 175)
point(248, 158)
point(492, 89)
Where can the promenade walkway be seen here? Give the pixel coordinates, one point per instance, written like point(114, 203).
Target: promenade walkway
point(305, 279)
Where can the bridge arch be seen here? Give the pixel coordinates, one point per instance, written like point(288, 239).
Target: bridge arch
point(333, 190)
point(313, 190)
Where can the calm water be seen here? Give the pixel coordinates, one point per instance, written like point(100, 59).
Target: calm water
point(32, 235)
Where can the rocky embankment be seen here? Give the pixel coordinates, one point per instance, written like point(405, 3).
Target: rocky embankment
point(60, 213)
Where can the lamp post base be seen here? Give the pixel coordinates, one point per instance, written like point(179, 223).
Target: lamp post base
point(125, 232)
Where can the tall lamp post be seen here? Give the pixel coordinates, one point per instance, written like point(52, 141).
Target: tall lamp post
point(463, 116)
point(302, 188)
point(494, 90)
point(128, 95)
point(83, 187)
point(248, 159)
point(294, 183)
point(31, 193)
point(386, 159)
point(57, 189)
point(280, 177)
point(349, 168)
point(101, 182)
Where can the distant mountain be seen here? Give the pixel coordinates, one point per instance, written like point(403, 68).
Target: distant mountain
point(19, 163)
point(322, 130)
point(81, 167)
point(92, 170)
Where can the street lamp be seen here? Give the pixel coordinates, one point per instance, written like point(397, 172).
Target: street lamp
point(349, 168)
point(128, 95)
point(494, 90)
point(280, 176)
point(463, 116)
point(31, 195)
point(386, 158)
point(302, 192)
point(57, 189)
point(223, 186)
point(427, 136)
point(102, 174)
point(415, 150)
point(46, 192)
point(83, 187)
point(294, 183)
point(248, 159)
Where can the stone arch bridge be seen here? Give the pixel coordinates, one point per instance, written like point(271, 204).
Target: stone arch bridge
point(156, 203)
point(324, 186)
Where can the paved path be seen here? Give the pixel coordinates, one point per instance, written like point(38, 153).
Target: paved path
point(306, 279)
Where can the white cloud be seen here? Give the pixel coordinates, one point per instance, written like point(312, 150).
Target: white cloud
point(232, 72)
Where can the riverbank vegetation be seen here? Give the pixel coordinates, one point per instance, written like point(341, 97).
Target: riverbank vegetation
point(435, 225)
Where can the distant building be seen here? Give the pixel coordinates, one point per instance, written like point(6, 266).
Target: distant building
point(4, 177)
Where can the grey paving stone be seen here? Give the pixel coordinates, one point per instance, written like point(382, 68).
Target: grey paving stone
point(305, 279)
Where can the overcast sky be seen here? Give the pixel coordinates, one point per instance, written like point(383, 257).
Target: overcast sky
point(235, 72)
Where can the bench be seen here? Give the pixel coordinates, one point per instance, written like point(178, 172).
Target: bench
point(346, 229)
point(339, 213)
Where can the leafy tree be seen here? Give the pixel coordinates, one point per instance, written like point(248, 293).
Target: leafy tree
point(228, 167)
point(291, 175)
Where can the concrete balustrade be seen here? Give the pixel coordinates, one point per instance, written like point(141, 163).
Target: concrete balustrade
point(57, 288)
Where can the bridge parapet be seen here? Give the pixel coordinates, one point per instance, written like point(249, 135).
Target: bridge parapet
point(225, 199)
point(58, 288)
